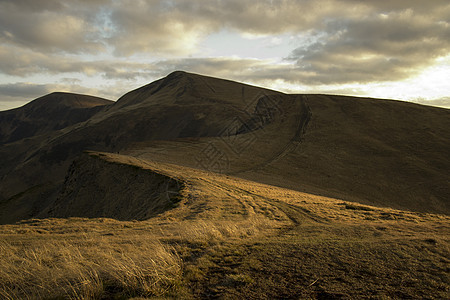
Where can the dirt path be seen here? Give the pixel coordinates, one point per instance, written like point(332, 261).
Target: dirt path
point(270, 207)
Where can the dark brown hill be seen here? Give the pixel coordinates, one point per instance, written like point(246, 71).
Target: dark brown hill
point(381, 152)
point(373, 151)
point(160, 113)
point(48, 113)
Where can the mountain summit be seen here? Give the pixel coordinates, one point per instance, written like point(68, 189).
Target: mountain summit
point(184, 88)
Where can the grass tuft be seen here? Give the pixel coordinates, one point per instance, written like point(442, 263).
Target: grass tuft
point(87, 269)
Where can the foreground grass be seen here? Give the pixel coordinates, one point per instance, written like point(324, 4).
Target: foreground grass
point(87, 268)
point(200, 259)
point(78, 258)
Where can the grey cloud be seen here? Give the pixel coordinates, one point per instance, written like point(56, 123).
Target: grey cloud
point(22, 90)
point(378, 48)
point(31, 5)
point(155, 27)
point(71, 81)
point(160, 27)
point(355, 41)
point(389, 5)
point(174, 27)
point(50, 26)
point(19, 62)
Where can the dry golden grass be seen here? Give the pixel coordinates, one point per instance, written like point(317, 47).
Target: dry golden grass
point(230, 238)
point(79, 258)
point(86, 267)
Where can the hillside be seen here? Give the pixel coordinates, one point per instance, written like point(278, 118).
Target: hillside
point(224, 237)
point(372, 151)
point(48, 113)
point(195, 187)
point(100, 188)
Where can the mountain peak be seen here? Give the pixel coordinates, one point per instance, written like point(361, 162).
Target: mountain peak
point(48, 113)
point(178, 73)
point(64, 99)
point(180, 86)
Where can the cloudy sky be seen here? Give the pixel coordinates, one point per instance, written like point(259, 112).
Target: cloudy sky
point(398, 49)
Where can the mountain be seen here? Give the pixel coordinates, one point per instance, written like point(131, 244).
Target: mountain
point(372, 151)
point(52, 112)
point(194, 187)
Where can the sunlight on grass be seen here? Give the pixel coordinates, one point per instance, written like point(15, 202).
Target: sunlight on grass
point(87, 268)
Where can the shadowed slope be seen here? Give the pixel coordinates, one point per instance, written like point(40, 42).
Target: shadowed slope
point(387, 153)
point(374, 151)
point(187, 88)
point(98, 187)
point(120, 186)
point(52, 112)
point(164, 114)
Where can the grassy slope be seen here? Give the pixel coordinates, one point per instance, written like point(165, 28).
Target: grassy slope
point(231, 238)
point(372, 151)
point(179, 105)
point(378, 152)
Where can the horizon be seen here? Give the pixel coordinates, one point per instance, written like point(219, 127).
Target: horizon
point(106, 48)
point(237, 82)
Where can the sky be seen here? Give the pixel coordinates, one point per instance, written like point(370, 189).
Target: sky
point(395, 49)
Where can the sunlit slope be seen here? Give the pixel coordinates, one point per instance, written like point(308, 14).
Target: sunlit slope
point(186, 193)
point(225, 238)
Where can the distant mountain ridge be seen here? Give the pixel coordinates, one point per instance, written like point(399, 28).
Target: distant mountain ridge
point(373, 151)
point(48, 113)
